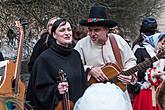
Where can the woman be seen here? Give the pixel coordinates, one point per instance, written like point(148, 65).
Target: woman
point(46, 90)
point(42, 44)
point(146, 48)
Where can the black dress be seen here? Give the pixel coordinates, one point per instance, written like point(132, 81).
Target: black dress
point(42, 88)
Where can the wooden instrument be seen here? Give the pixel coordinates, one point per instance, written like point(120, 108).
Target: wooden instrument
point(65, 104)
point(12, 89)
point(113, 70)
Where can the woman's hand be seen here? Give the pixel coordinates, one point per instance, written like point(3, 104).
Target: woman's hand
point(63, 87)
point(98, 74)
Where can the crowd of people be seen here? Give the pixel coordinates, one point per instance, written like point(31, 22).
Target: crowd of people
point(95, 76)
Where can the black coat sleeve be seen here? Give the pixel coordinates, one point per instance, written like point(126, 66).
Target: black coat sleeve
point(42, 86)
point(37, 50)
point(141, 54)
point(39, 47)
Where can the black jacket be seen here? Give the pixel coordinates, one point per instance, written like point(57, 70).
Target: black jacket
point(141, 54)
point(41, 45)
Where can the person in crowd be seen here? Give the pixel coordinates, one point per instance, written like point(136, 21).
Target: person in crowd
point(1, 70)
point(120, 31)
point(117, 30)
point(148, 27)
point(128, 41)
point(1, 57)
point(11, 36)
point(146, 47)
point(42, 44)
point(79, 33)
point(160, 95)
point(46, 89)
point(96, 51)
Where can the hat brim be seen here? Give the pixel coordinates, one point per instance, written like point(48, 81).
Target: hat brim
point(105, 23)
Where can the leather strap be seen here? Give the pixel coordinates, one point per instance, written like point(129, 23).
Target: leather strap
point(115, 49)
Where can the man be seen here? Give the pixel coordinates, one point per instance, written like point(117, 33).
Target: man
point(96, 51)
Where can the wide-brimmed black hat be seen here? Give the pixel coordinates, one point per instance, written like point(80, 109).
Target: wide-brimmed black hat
point(98, 17)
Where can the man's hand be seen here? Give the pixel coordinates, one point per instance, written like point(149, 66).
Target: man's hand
point(98, 74)
point(125, 79)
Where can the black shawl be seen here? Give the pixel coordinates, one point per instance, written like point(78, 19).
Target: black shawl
point(42, 89)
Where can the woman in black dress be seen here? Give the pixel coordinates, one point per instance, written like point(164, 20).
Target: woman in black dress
point(46, 91)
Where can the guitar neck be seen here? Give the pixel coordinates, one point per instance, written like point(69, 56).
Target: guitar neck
point(142, 65)
point(19, 57)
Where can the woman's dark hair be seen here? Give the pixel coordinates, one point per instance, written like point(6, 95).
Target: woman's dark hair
point(163, 36)
point(138, 40)
point(57, 23)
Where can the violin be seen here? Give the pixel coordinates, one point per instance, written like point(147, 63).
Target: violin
point(12, 89)
point(65, 104)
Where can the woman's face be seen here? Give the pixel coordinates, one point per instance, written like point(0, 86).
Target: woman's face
point(161, 44)
point(63, 34)
point(98, 34)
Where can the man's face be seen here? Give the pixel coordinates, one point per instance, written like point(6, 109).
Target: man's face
point(98, 34)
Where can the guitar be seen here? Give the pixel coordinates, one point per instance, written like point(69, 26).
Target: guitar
point(12, 89)
point(65, 104)
point(112, 70)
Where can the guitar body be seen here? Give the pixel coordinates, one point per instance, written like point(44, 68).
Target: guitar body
point(111, 71)
point(7, 94)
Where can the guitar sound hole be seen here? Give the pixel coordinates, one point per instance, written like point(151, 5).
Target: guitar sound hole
point(13, 84)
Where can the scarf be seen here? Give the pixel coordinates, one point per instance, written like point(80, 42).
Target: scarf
point(152, 39)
